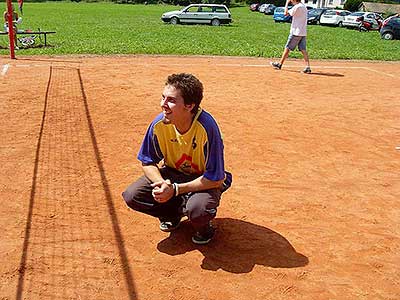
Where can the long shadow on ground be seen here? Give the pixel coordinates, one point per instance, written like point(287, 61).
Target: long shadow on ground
point(238, 246)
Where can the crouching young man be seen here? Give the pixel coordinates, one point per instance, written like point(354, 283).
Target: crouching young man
point(183, 162)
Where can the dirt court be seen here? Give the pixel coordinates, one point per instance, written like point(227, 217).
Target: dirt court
point(313, 212)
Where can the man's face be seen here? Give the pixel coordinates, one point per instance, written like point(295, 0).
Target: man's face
point(173, 105)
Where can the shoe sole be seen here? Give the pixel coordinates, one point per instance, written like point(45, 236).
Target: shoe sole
point(201, 242)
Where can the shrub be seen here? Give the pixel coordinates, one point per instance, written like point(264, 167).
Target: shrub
point(352, 5)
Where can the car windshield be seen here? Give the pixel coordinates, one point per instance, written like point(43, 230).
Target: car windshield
point(279, 9)
point(313, 12)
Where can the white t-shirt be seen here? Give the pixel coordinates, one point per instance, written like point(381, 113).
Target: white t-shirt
point(299, 20)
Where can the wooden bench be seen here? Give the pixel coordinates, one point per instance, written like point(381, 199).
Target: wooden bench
point(28, 32)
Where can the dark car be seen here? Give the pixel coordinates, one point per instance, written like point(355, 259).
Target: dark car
point(279, 15)
point(313, 15)
point(391, 28)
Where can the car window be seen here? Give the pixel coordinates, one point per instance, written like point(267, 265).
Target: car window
point(344, 13)
point(192, 9)
point(220, 9)
point(357, 14)
point(370, 16)
point(206, 9)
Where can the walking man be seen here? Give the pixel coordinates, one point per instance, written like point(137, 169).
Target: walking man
point(298, 33)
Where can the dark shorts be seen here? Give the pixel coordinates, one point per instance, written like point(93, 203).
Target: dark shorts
point(296, 40)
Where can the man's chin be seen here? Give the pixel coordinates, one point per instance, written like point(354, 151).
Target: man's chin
point(165, 120)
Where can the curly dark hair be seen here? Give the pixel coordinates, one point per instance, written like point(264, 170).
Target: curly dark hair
point(191, 88)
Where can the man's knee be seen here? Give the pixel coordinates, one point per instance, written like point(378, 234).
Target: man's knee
point(202, 208)
point(129, 195)
point(135, 193)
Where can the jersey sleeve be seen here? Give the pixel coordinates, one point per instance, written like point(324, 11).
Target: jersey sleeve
point(150, 150)
point(214, 153)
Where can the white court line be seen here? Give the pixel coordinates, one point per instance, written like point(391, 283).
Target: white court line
point(314, 67)
point(239, 65)
point(379, 72)
point(5, 69)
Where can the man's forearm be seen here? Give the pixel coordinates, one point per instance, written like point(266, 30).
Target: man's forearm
point(199, 184)
point(286, 12)
point(152, 172)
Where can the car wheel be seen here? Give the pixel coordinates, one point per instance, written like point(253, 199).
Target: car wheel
point(387, 36)
point(340, 24)
point(215, 22)
point(174, 21)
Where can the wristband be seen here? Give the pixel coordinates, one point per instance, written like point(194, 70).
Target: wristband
point(176, 189)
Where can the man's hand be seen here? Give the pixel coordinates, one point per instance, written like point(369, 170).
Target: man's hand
point(162, 190)
point(286, 12)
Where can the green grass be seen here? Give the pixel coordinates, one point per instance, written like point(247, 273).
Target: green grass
point(106, 28)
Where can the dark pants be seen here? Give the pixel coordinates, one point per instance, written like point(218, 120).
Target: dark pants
point(199, 207)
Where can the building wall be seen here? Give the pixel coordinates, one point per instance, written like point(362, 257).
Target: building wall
point(324, 3)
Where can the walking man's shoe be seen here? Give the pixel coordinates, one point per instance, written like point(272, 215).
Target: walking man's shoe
point(307, 70)
point(276, 65)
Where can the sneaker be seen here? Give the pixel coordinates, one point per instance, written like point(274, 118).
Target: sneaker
point(307, 70)
point(203, 238)
point(168, 226)
point(276, 65)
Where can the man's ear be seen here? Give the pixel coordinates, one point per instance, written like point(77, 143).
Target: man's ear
point(189, 107)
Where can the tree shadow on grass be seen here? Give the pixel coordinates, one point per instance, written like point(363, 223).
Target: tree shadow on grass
point(237, 247)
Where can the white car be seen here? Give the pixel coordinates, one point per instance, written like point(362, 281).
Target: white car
point(333, 17)
point(352, 19)
point(212, 14)
point(263, 7)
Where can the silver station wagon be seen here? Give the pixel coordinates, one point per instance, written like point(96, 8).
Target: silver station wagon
point(213, 14)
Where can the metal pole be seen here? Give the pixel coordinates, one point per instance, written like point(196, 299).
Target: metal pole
point(11, 32)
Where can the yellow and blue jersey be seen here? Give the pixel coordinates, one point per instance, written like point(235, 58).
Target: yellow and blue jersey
point(198, 151)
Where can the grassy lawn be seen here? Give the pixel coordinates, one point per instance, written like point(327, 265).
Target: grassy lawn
point(105, 28)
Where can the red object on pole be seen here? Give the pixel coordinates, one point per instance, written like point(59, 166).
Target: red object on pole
point(11, 32)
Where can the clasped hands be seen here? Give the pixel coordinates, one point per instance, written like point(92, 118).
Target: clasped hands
point(162, 190)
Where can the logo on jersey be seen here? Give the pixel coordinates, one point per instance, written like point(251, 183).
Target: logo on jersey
point(194, 144)
point(186, 165)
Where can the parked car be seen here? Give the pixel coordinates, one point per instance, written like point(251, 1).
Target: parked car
point(262, 7)
point(391, 28)
point(314, 15)
point(254, 6)
point(213, 14)
point(279, 15)
point(269, 10)
point(333, 17)
point(352, 20)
